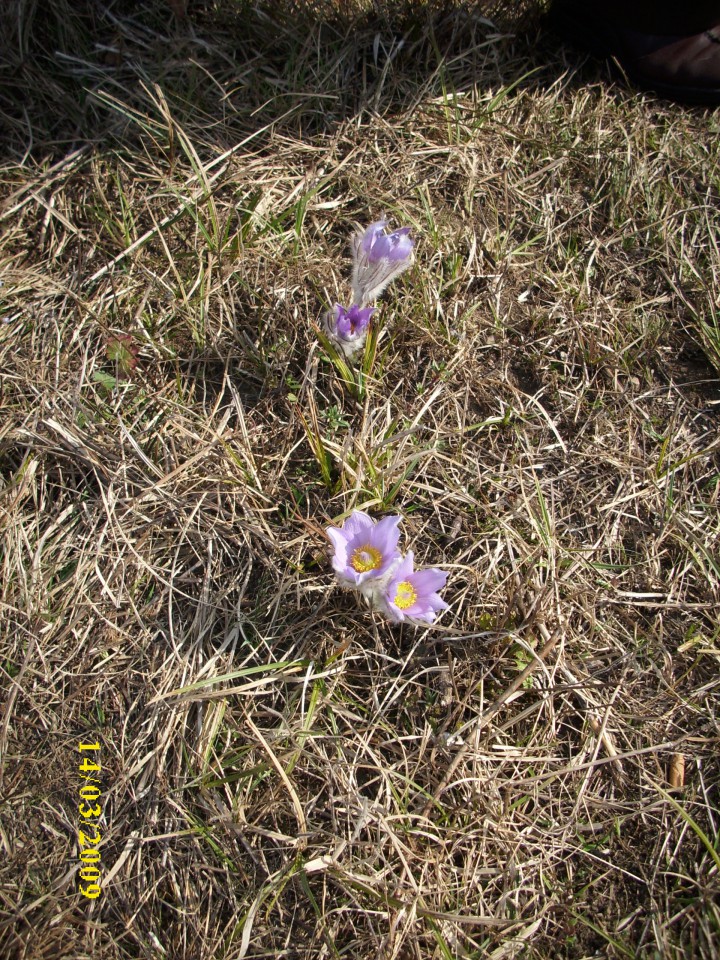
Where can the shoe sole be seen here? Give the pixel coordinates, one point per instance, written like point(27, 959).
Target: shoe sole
point(597, 38)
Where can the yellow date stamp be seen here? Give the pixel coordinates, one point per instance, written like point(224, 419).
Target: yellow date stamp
point(90, 811)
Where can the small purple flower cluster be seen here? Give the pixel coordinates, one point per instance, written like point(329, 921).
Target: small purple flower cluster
point(367, 559)
point(378, 258)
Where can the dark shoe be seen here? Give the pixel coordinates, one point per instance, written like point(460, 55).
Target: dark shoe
point(685, 69)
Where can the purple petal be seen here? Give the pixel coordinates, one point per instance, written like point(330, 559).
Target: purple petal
point(431, 604)
point(371, 235)
point(386, 535)
point(347, 328)
point(342, 327)
point(352, 323)
point(380, 250)
point(426, 608)
point(339, 558)
point(395, 613)
point(338, 539)
point(429, 581)
point(403, 570)
point(342, 321)
point(427, 616)
point(345, 576)
point(358, 522)
point(400, 245)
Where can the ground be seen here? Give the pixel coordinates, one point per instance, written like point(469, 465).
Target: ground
point(277, 770)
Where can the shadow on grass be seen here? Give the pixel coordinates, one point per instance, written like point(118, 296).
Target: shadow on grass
point(87, 74)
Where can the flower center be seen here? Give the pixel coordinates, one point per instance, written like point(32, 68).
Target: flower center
point(365, 558)
point(405, 595)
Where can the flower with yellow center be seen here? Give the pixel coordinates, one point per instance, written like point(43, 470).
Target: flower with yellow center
point(413, 594)
point(365, 551)
point(405, 595)
point(366, 558)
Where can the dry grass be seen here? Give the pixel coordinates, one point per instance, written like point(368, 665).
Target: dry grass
point(283, 774)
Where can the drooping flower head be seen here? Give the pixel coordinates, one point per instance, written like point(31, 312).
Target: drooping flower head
point(365, 551)
point(378, 258)
point(348, 327)
point(352, 323)
point(414, 596)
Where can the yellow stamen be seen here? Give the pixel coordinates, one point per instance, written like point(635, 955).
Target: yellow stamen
point(405, 595)
point(366, 558)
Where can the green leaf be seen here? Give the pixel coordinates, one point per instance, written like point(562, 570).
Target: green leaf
point(104, 380)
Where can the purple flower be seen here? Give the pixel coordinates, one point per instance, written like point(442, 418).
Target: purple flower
point(377, 245)
point(353, 323)
point(348, 327)
point(364, 550)
point(378, 258)
point(413, 596)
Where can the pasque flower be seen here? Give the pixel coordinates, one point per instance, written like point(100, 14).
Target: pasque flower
point(378, 258)
point(349, 327)
point(378, 245)
point(412, 595)
point(366, 557)
point(365, 550)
